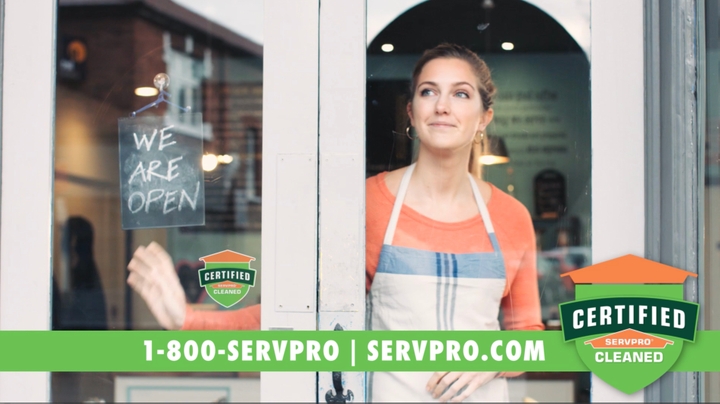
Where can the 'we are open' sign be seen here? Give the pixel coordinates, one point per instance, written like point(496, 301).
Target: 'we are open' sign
point(161, 174)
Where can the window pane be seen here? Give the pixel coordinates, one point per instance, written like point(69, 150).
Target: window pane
point(538, 53)
point(108, 54)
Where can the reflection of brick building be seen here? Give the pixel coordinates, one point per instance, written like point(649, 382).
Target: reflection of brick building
point(108, 48)
point(235, 112)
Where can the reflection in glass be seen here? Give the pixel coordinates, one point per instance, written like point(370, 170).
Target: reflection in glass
point(108, 54)
point(82, 305)
point(538, 55)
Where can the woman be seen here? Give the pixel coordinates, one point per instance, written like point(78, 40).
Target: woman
point(445, 250)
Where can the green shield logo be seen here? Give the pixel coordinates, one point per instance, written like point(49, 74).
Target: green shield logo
point(227, 277)
point(629, 320)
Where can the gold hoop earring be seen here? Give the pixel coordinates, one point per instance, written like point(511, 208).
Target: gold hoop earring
point(407, 133)
point(479, 139)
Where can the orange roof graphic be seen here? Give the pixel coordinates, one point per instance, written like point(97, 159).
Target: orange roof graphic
point(227, 256)
point(629, 339)
point(629, 269)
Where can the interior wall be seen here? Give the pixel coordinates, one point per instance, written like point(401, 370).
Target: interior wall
point(543, 114)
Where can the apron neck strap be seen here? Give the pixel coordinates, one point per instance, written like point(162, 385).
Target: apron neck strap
point(481, 205)
point(397, 206)
point(402, 191)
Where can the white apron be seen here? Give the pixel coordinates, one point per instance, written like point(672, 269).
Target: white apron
point(427, 290)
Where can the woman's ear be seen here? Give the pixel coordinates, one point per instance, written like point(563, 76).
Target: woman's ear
point(487, 118)
point(409, 113)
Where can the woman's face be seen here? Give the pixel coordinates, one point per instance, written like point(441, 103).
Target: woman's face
point(446, 109)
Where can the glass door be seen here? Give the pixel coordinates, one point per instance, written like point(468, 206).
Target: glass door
point(107, 58)
point(93, 63)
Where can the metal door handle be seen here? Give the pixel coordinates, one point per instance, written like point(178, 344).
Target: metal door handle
point(338, 396)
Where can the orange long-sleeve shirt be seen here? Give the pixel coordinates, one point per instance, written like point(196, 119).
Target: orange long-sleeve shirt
point(513, 228)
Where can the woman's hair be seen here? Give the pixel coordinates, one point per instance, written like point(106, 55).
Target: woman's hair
point(451, 51)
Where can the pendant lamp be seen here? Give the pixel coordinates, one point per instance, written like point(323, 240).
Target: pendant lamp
point(493, 151)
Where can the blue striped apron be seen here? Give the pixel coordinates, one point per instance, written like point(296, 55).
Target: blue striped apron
point(428, 290)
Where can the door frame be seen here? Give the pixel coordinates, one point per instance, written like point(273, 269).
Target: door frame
point(618, 141)
point(28, 120)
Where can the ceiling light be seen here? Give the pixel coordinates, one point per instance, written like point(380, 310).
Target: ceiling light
point(146, 91)
point(508, 46)
point(491, 160)
point(224, 159)
point(388, 47)
point(209, 162)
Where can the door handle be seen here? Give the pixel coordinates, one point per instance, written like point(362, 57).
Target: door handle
point(338, 396)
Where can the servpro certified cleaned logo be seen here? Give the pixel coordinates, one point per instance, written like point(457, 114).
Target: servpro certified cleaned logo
point(629, 320)
point(227, 276)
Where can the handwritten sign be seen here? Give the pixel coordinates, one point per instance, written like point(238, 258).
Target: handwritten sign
point(161, 173)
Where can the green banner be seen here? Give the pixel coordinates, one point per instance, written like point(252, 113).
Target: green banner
point(250, 351)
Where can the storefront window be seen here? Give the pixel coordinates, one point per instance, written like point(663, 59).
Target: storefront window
point(539, 58)
point(107, 56)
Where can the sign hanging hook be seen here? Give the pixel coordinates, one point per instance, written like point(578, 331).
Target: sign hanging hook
point(161, 82)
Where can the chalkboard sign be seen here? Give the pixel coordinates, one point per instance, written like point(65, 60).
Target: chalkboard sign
point(549, 187)
point(161, 173)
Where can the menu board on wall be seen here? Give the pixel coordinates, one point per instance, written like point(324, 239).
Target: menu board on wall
point(161, 176)
point(549, 194)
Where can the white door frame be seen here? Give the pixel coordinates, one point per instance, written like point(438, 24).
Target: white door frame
point(290, 182)
point(341, 267)
point(28, 119)
point(618, 141)
point(314, 127)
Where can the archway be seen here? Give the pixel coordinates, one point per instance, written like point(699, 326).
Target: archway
point(542, 112)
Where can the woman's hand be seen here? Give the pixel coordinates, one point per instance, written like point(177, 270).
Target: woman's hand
point(445, 386)
point(153, 277)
